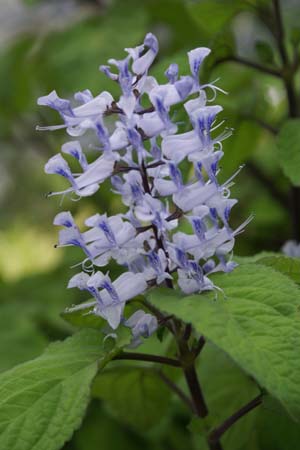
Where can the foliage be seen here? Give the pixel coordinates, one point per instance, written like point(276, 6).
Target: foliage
point(43, 400)
point(258, 330)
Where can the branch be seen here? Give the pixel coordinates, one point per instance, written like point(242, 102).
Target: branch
point(187, 332)
point(155, 164)
point(217, 433)
point(196, 391)
point(252, 64)
point(131, 356)
point(187, 360)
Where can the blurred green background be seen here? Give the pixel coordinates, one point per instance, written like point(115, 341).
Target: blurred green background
point(59, 44)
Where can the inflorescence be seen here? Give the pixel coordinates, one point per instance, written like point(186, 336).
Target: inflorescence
point(176, 229)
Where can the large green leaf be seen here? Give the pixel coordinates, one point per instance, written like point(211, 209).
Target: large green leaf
point(135, 395)
point(285, 264)
point(288, 150)
point(255, 320)
point(43, 401)
point(254, 258)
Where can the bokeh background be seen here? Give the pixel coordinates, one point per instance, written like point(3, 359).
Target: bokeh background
point(59, 44)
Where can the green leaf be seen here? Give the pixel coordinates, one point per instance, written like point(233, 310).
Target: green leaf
point(256, 322)
point(288, 150)
point(253, 258)
point(284, 264)
point(140, 398)
point(43, 401)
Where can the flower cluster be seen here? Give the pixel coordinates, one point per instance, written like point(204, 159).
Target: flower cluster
point(176, 226)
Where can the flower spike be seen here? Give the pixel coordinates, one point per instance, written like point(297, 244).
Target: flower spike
point(144, 157)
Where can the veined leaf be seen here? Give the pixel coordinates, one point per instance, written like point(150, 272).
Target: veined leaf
point(253, 258)
point(43, 401)
point(255, 321)
point(284, 264)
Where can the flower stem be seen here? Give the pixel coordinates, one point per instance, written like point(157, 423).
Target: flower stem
point(159, 241)
point(196, 391)
point(187, 357)
point(132, 356)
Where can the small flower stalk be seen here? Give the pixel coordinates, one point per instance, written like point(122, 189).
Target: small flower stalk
point(175, 229)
